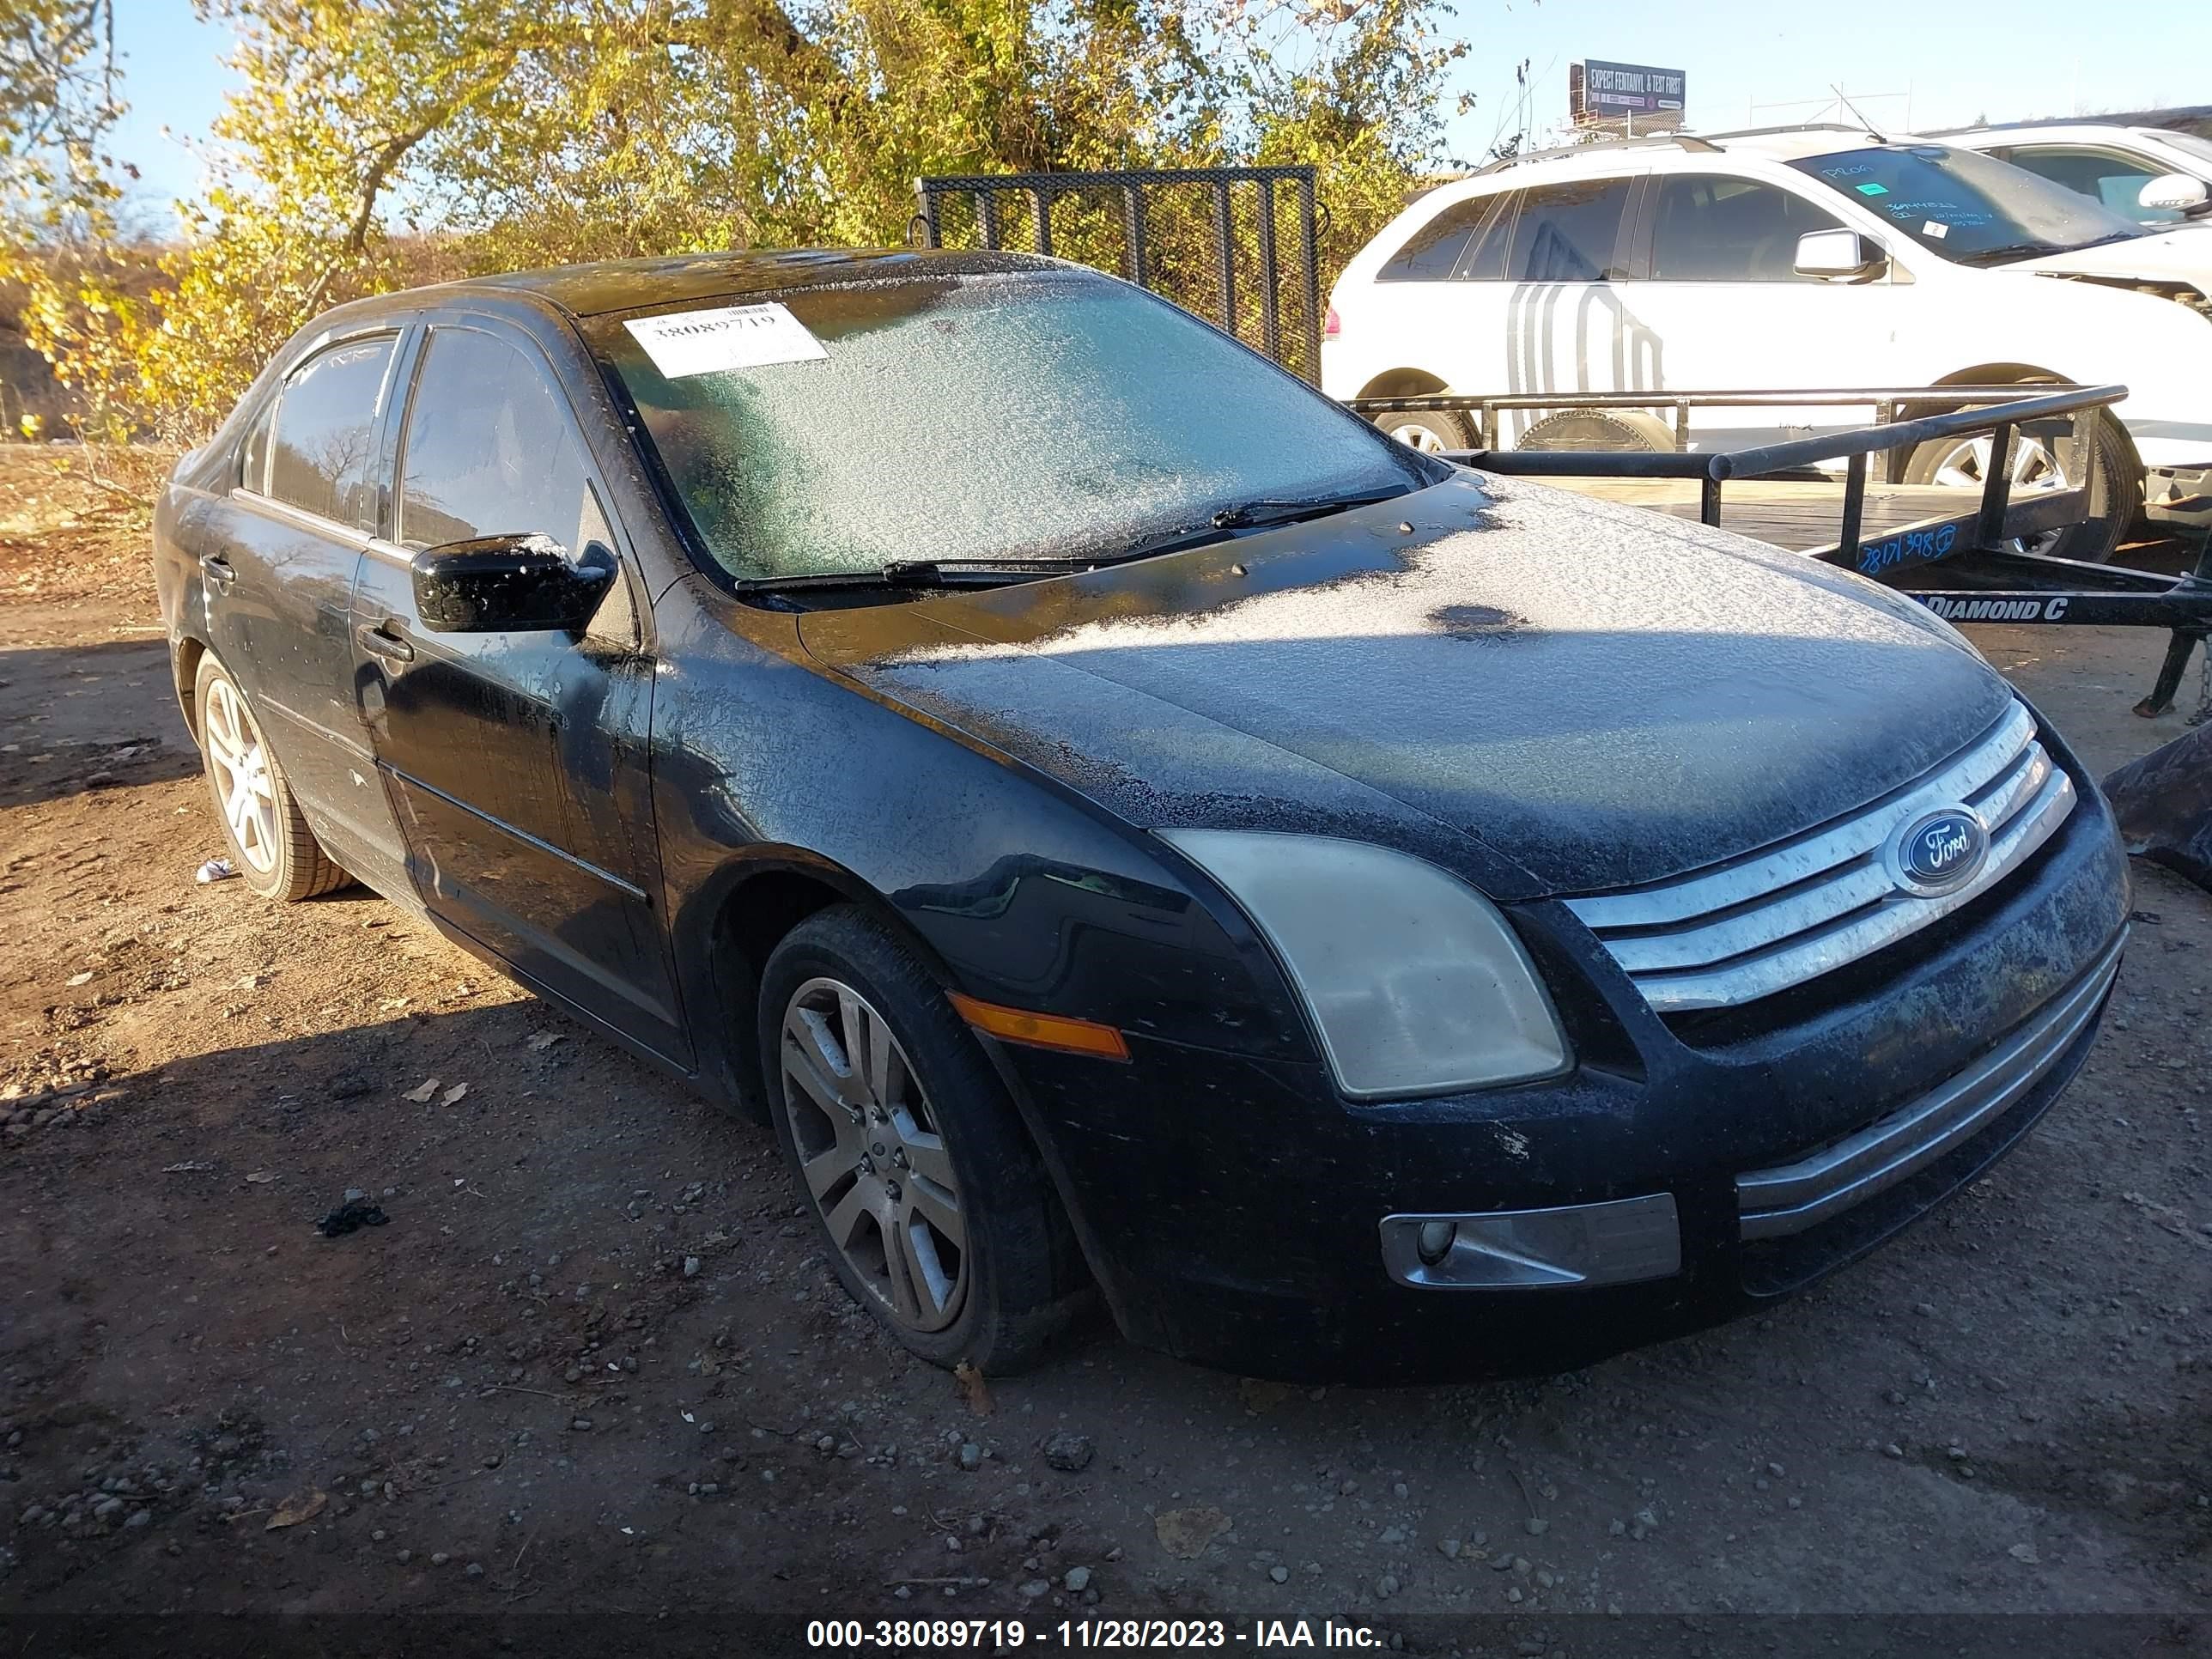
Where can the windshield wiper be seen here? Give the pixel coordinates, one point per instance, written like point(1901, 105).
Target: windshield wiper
point(920, 572)
point(1262, 513)
point(1271, 510)
point(1991, 256)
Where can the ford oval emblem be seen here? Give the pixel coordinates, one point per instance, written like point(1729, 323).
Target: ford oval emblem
point(1940, 852)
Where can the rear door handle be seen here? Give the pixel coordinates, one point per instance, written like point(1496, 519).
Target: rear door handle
point(381, 643)
point(217, 570)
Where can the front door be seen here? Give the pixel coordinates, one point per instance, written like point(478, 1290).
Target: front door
point(518, 760)
point(1727, 310)
point(277, 559)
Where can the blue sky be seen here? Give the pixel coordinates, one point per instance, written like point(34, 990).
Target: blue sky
point(1958, 63)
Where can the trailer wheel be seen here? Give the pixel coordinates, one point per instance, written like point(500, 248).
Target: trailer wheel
point(2113, 490)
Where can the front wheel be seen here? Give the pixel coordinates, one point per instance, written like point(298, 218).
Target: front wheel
point(1963, 463)
point(939, 1216)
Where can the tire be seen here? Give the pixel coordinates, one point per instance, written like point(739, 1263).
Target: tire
point(277, 853)
point(900, 1144)
point(1599, 428)
point(1430, 430)
point(2115, 484)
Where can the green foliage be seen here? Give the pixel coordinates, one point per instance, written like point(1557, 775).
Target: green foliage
point(373, 140)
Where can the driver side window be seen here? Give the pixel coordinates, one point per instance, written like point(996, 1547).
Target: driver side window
point(491, 450)
point(1709, 228)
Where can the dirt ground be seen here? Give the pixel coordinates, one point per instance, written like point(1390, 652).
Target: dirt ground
point(594, 1383)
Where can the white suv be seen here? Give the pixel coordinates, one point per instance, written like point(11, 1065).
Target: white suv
point(2153, 175)
point(1800, 260)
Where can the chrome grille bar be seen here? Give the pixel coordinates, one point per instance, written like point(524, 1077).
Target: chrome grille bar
point(1759, 924)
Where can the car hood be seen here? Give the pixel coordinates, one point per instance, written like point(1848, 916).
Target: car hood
point(2181, 255)
point(1548, 693)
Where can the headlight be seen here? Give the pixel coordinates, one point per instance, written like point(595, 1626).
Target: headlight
point(1415, 981)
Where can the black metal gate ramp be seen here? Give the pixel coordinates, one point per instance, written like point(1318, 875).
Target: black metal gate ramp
point(1239, 246)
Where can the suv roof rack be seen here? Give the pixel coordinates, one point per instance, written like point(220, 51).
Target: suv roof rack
point(1804, 126)
point(1671, 139)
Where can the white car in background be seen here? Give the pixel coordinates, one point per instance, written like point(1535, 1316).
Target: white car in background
point(1805, 260)
point(2154, 176)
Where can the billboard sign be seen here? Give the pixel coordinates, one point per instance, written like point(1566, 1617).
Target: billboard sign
point(1626, 94)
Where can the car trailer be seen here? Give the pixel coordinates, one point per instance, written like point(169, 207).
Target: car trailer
point(1964, 567)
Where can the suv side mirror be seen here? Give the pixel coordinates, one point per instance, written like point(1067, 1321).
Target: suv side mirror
point(501, 584)
point(1841, 254)
point(2174, 191)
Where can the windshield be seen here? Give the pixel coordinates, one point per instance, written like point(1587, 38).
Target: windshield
point(991, 418)
point(1967, 206)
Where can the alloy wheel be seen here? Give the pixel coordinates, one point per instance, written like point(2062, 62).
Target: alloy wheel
point(240, 763)
point(872, 1155)
point(1418, 437)
point(2032, 467)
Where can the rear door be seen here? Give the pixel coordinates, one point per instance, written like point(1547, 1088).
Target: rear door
point(278, 560)
point(1565, 325)
point(518, 760)
point(1724, 309)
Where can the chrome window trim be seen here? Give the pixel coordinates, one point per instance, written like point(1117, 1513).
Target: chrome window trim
point(1779, 1202)
point(1756, 924)
point(350, 534)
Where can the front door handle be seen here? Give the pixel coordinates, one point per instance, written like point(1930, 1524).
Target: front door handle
point(218, 570)
point(381, 643)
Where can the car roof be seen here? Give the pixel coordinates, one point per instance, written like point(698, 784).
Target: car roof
point(2192, 117)
point(630, 284)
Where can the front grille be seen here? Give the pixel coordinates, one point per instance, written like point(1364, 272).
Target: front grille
point(1777, 1203)
point(1735, 932)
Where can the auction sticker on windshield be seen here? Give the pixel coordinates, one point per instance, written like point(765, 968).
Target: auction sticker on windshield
point(686, 343)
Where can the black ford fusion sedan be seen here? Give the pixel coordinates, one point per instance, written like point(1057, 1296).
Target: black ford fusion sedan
point(1126, 822)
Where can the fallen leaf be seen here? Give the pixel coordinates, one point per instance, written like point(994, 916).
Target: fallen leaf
point(1260, 1396)
point(194, 1168)
point(2024, 1552)
point(452, 1096)
point(544, 1039)
point(299, 1506)
point(973, 1389)
point(84, 978)
point(1184, 1534)
point(262, 1177)
point(429, 1086)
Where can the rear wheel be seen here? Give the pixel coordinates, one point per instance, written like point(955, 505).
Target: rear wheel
point(271, 844)
point(1432, 431)
point(939, 1216)
point(1963, 463)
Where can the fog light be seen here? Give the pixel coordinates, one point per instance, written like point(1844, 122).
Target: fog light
point(1619, 1241)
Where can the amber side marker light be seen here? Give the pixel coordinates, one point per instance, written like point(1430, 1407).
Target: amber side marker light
point(1072, 1037)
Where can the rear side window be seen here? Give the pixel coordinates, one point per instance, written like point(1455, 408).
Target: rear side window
point(1434, 251)
point(326, 434)
point(491, 450)
point(1713, 228)
point(1568, 233)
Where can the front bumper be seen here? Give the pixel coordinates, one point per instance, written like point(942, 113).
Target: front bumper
point(1235, 1210)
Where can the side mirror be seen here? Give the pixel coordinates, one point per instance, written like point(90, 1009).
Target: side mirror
point(502, 584)
point(1840, 254)
point(2176, 192)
